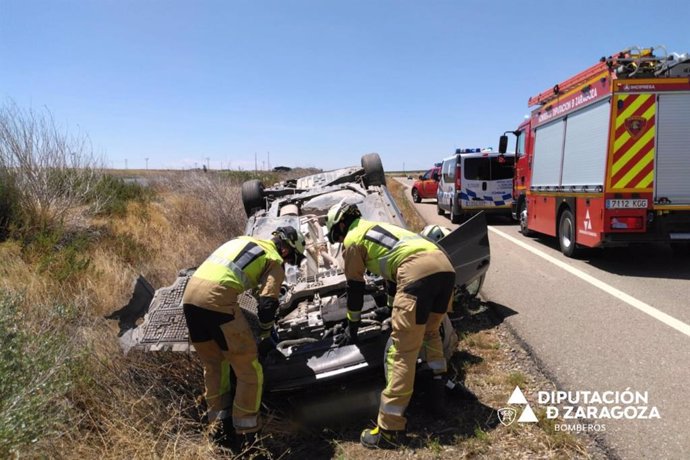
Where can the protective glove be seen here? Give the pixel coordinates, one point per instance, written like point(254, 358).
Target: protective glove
point(382, 313)
point(349, 337)
point(266, 345)
point(268, 340)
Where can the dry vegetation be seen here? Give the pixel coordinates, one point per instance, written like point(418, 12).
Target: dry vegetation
point(67, 391)
point(80, 397)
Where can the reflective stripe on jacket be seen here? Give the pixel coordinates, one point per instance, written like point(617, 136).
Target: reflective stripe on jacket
point(386, 245)
point(239, 263)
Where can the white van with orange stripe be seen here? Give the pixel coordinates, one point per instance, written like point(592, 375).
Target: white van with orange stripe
point(604, 159)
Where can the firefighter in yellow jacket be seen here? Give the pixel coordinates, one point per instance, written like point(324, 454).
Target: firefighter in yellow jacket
point(219, 331)
point(423, 278)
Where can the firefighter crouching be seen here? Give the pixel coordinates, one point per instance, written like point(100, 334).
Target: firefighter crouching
point(424, 280)
point(220, 333)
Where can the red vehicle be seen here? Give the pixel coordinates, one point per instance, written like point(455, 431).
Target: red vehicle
point(427, 184)
point(604, 159)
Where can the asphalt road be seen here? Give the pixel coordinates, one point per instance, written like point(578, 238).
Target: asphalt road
point(613, 321)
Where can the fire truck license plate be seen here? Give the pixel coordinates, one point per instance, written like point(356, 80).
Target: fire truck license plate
point(626, 204)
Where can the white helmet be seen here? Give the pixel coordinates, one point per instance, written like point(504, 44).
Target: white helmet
point(435, 232)
point(338, 213)
point(292, 238)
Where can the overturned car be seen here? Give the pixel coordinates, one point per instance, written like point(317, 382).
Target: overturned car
point(313, 301)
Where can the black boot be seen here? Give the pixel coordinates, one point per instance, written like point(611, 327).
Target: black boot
point(378, 438)
point(437, 396)
point(224, 434)
point(249, 445)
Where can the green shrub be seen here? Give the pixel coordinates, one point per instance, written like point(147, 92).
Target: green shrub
point(114, 193)
point(7, 205)
point(267, 177)
point(38, 367)
point(57, 254)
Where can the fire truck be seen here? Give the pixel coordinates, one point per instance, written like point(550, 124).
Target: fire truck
point(604, 158)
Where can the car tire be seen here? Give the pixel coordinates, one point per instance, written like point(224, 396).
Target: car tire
point(522, 218)
point(415, 196)
point(373, 170)
point(252, 196)
point(454, 218)
point(566, 234)
point(440, 210)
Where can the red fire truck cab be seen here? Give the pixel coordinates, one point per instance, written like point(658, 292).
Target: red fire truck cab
point(604, 158)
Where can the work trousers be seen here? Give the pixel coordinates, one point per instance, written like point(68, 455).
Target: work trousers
point(224, 340)
point(425, 283)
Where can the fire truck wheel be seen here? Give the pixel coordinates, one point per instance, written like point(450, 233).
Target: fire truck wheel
point(522, 218)
point(566, 234)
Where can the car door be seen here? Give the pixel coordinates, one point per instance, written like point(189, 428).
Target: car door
point(424, 184)
point(468, 249)
point(431, 184)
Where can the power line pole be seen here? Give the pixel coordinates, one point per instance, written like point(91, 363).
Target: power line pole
point(147, 163)
point(208, 163)
point(125, 163)
point(268, 155)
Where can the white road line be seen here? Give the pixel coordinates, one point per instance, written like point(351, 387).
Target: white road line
point(630, 300)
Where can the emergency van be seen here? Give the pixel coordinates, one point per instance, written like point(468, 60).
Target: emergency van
point(475, 180)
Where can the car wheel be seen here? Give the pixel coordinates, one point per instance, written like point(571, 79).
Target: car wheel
point(522, 217)
point(566, 234)
point(252, 196)
point(373, 170)
point(415, 196)
point(439, 210)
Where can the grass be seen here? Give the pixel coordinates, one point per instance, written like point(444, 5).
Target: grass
point(517, 379)
point(40, 364)
point(64, 383)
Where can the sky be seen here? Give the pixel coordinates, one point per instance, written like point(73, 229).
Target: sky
point(308, 83)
